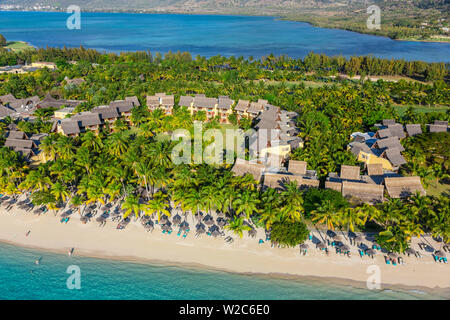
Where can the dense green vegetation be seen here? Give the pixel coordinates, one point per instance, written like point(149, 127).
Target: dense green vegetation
point(132, 165)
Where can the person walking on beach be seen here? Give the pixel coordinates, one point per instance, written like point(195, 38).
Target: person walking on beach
point(28, 233)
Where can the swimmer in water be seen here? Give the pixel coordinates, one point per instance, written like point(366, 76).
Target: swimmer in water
point(70, 251)
point(38, 261)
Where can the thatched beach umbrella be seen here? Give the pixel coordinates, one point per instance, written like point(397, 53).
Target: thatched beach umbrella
point(337, 237)
point(166, 227)
point(392, 255)
point(252, 233)
point(345, 248)
point(149, 227)
point(410, 251)
point(371, 252)
point(84, 219)
point(208, 220)
point(321, 245)
point(304, 246)
point(439, 254)
point(200, 226)
point(184, 226)
point(201, 230)
point(215, 233)
point(331, 233)
point(358, 238)
point(221, 222)
point(163, 220)
point(101, 219)
point(176, 219)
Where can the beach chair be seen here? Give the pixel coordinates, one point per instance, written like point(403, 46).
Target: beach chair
point(361, 253)
point(185, 235)
point(444, 259)
point(394, 263)
point(179, 232)
point(436, 259)
point(164, 231)
point(387, 260)
point(260, 241)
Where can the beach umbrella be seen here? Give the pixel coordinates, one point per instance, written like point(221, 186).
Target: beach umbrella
point(331, 233)
point(163, 220)
point(166, 227)
point(358, 238)
point(201, 230)
point(64, 214)
point(176, 219)
point(410, 251)
point(321, 245)
point(345, 248)
point(215, 233)
point(208, 220)
point(252, 233)
point(221, 222)
point(100, 219)
point(371, 252)
point(220, 214)
point(337, 237)
point(393, 255)
point(84, 219)
point(439, 254)
point(148, 227)
point(200, 226)
point(184, 226)
point(304, 246)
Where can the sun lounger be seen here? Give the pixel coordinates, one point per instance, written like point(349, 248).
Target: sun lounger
point(436, 259)
point(361, 253)
point(260, 241)
point(184, 235)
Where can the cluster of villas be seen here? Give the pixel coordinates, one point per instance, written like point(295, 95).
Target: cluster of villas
point(370, 187)
point(384, 147)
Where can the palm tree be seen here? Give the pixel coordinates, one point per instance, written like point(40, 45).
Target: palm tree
point(237, 226)
point(77, 201)
point(60, 191)
point(246, 202)
point(158, 205)
point(131, 205)
point(324, 214)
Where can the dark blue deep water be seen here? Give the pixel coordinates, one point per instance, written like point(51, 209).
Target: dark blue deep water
point(207, 35)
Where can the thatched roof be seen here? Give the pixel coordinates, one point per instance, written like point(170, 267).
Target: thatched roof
point(17, 135)
point(255, 108)
point(225, 103)
point(387, 122)
point(5, 111)
point(278, 181)
point(19, 143)
point(70, 127)
point(186, 101)
point(242, 167)
point(397, 130)
point(242, 105)
point(413, 129)
point(438, 128)
point(375, 169)
point(392, 142)
point(394, 156)
point(168, 101)
point(384, 133)
point(357, 147)
point(441, 122)
point(367, 192)
point(203, 102)
point(349, 172)
point(267, 124)
point(122, 105)
point(107, 112)
point(134, 100)
point(403, 186)
point(88, 119)
point(297, 167)
point(153, 101)
point(333, 185)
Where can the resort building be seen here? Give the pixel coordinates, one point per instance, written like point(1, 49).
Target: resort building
point(224, 108)
point(161, 101)
point(50, 102)
point(242, 167)
point(241, 109)
point(401, 187)
point(439, 126)
point(20, 142)
point(352, 185)
point(413, 129)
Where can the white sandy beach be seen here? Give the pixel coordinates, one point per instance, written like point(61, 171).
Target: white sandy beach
point(243, 255)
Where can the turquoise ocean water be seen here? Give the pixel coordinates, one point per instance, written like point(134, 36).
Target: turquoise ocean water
point(207, 35)
point(21, 278)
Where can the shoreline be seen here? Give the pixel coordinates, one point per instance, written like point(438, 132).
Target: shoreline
point(201, 13)
point(245, 256)
point(312, 279)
